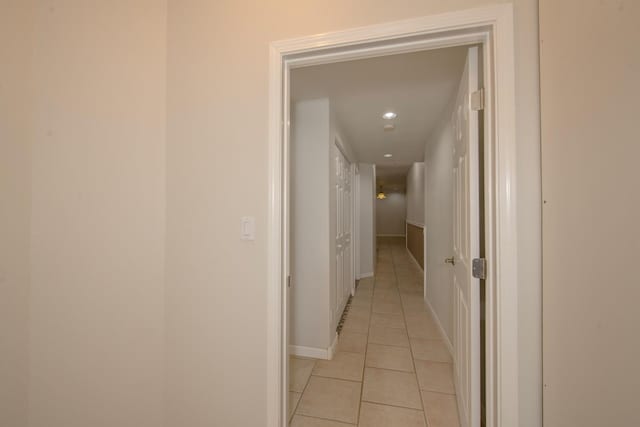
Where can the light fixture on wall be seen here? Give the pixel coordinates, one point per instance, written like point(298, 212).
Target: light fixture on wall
point(388, 156)
point(389, 115)
point(381, 195)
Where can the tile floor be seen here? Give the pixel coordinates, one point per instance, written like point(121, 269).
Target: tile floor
point(391, 368)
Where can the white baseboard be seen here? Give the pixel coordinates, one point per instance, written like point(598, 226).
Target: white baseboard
point(332, 350)
point(314, 352)
point(415, 224)
point(445, 338)
point(365, 275)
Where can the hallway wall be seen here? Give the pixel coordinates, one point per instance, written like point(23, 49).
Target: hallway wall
point(310, 234)
point(98, 214)
point(416, 194)
point(391, 214)
point(367, 218)
point(591, 232)
point(106, 331)
point(439, 221)
point(16, 32)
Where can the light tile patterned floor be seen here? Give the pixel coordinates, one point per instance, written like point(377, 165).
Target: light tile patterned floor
point(391, 369)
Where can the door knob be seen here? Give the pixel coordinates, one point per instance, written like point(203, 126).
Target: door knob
point(451, 261)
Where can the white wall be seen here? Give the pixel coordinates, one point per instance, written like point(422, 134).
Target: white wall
point(367, 219)
point(590, 62)
point(315, 131)
point(439, 221)
point(16, 31)
point(98, 214)
point(310, 224)
point(391, 214)
point(415, 194)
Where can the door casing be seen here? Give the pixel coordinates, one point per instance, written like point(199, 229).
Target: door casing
point(490, 26)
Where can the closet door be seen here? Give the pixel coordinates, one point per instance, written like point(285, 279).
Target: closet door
point(344, 203)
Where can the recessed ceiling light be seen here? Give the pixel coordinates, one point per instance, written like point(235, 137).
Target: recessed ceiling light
point(388, 155)
point(389, 115)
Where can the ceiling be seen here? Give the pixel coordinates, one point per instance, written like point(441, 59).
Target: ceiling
point(417, 86)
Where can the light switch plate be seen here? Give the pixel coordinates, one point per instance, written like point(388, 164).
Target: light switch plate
point(247, 228)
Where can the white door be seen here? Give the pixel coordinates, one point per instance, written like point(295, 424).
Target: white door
point(344, 206)
point(466, 247)
point(348, 232)
point(355, 226)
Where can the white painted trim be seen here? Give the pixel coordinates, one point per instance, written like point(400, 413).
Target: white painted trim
point(365, 275)
point(356, 222)
point(277, 351)
point(311, 352)
point(406, 233)
point(491, 26)
point(443, 334)
point(355, 225)
point(331, 351)
point(315, 352)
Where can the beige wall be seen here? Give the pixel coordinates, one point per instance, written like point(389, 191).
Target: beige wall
point(367, 189)
point(15, 185)
point(415, 193)
point(97, 230)
point(590, 89)
point(217, 109)
point(105, 330)
point(391, 214)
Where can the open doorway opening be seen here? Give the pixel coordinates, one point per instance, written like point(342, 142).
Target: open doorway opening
point(384, 163)
point(491, 28)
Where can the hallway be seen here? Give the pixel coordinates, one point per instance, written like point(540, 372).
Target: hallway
point(391, 368)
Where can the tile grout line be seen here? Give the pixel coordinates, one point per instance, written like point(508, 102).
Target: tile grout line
point(393, 254)
point(392, 406)
point(334, 378)
point(340, 379)
point(424, 412)
point(389, 369)
point(295, 410)
point(327, 419)
point(366, 347)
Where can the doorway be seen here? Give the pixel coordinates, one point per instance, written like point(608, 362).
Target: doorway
point(472, 27)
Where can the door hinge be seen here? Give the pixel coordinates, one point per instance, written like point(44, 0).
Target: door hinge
point(477, 100)
point(288, 281)
point(479, 268)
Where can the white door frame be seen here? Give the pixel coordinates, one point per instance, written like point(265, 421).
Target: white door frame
point(355, 226)
point(490, 26)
